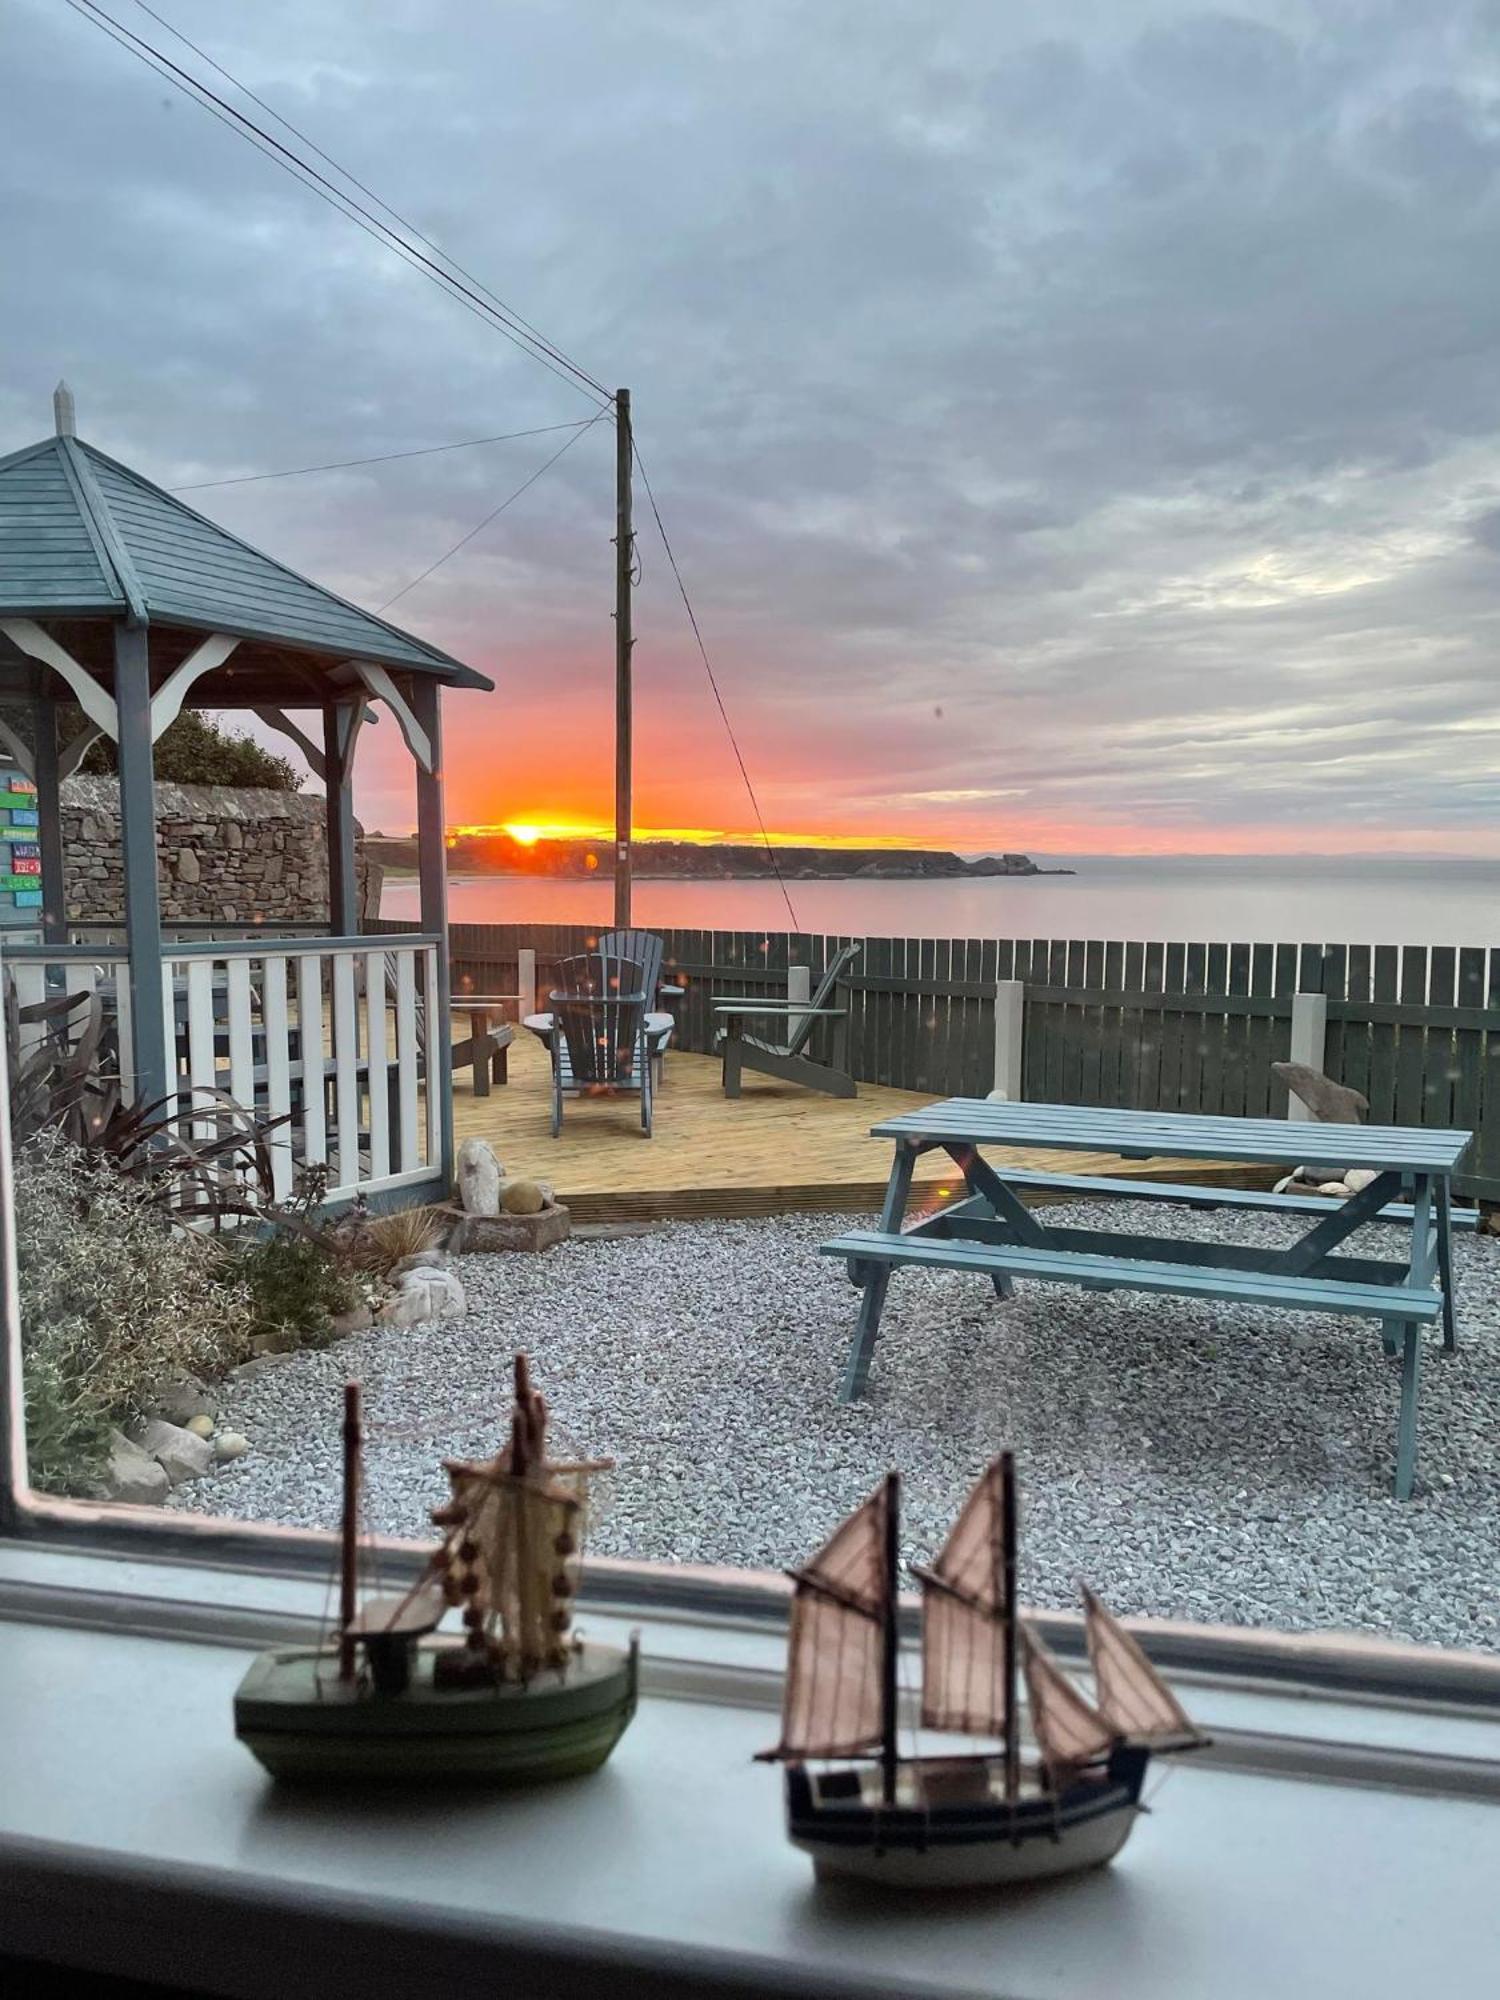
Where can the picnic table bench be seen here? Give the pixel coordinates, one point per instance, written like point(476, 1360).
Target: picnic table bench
point(990, 1229)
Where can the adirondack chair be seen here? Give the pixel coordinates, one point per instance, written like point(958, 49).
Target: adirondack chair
point(647, 948)
point(788, 1058)
point(598, 1037)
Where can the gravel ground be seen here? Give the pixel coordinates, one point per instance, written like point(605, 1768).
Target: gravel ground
point(1212, 1462)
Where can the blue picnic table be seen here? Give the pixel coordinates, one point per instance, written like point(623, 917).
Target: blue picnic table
point(991, 1230)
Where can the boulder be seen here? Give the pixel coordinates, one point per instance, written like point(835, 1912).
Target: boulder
point(1357, 1179)
point(419, 1260)
point(422, 1295)
point(1330, 1103)
point(228, 1445)
point(480, 1176)
point(201, 1427)
point(522, 1198)
point(180, 1455)
point(133, 1475)
point(179, 1401)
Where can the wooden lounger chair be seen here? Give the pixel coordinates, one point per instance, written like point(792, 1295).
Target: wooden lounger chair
point(788, 1058)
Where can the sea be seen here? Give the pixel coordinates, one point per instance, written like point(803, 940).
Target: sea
point(1172, 898)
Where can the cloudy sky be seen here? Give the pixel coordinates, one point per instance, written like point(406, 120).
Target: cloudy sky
point(1079, 427)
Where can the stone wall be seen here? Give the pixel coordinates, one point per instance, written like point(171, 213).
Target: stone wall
point(224, 855)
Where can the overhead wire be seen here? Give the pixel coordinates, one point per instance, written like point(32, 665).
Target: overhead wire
point(713, 682)
point(381, 458)
point(494, 513)
point(494, 314)
point(467, 289)
point(406, 223)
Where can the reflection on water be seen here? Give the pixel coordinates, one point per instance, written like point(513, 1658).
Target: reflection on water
point(1183, 899)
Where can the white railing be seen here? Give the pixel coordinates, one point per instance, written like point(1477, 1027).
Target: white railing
point(328, 1033)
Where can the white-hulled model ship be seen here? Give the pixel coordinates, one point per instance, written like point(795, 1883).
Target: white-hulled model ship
point(947, 1821)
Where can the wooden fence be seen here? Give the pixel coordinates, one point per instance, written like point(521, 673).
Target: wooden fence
point(1175, 1027)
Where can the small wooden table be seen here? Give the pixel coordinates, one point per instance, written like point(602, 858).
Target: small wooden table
point(486, 1048)
point(990, 1230)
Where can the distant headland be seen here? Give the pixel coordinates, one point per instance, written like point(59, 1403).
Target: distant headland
point(686, 860)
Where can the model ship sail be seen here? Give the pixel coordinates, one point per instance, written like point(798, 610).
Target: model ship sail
point(514, 1539)
point(1069, 1730)
point(1132, 1696)
point(967, 1625)
point(834, 1702)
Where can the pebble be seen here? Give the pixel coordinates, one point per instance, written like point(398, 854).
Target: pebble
point(705, 1357)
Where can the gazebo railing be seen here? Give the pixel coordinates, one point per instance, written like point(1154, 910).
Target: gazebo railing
point(329, 1035)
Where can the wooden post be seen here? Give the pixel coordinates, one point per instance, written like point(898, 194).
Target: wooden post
point(148, 1023)
point(1010, 1024)
point(338, 790)
point(349, 1536)
point(624, 565)
point(526, 979)
point(798, 987)
point(49, 819)
point(432, 882)
point(1309, 1035)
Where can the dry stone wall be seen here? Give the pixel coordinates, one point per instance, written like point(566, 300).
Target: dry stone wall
point(223, 855)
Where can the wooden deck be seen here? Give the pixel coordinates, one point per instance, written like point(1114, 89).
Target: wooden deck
point(776, 1148)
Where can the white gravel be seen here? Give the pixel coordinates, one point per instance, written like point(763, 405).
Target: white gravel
point(1213, 1462)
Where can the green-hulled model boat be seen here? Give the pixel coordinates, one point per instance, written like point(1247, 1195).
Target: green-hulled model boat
point(515, 1699)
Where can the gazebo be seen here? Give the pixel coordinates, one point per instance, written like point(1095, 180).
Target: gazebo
point(116, 596)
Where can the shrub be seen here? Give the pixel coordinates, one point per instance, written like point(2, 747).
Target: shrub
point(294, 1285)
point(196, 751)
point(113, 1298)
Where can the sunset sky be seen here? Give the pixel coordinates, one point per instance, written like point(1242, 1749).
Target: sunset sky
point(1079, 428)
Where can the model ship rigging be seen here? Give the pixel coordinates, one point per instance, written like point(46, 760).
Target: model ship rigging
point(946, 1820)
point(518, 1698)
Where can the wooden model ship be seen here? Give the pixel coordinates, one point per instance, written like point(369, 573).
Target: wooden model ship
point(516, 1699)
point(946, 1821)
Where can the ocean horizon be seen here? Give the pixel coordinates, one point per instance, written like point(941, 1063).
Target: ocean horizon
point(1192, 898)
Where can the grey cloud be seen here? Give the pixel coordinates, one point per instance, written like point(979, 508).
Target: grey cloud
point(1105, 387)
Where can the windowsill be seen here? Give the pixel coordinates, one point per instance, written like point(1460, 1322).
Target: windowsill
point(1347, 1839)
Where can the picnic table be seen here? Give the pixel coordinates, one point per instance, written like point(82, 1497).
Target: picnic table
point(990, 1229)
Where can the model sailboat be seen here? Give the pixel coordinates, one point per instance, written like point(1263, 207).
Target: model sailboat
point(951, 1821)
point(518, 1698)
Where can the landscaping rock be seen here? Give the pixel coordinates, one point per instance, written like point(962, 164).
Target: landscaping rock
point(422, 1295)
point(229, 1444)
point(480, 1176)
point(179, 1453)
point(1357, 1179)
point(201, 1427)
point(1330, 1103)
point(356, 1320)
point(179, 1401)
point(522, 1198)
point(548, 1227)
point(133, 1475)
point(420, 1260)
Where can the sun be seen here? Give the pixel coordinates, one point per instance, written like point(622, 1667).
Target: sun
point(525, 836)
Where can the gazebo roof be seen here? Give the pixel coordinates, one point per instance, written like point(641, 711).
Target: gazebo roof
point(84, 537)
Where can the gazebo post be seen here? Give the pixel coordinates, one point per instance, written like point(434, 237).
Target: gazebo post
point(340, 723)
point(49, 818)
point(148, 1027)
point(432, 881)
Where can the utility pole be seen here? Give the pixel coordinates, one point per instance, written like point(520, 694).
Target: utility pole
point(624, 641)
